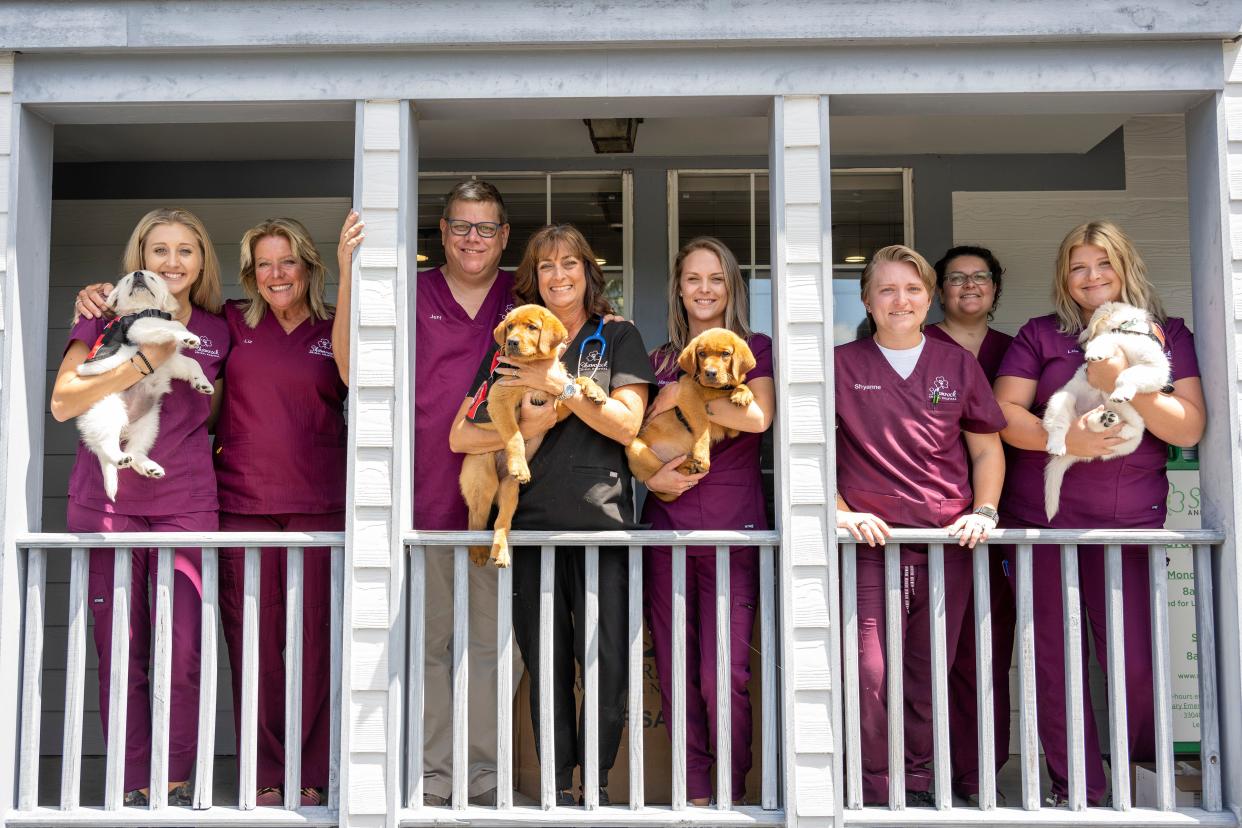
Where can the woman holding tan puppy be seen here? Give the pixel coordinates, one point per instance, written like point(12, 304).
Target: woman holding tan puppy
point(174, 244)
point(904, 404)
point(707, 291)
point(579, 480)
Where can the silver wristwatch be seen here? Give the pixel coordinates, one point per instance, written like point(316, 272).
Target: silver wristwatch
point(570, 388)
point(987, 512)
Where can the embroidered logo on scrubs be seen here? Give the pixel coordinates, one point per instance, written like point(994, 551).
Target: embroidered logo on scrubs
point(206, 347)
point(940, 392)
point(322, 348)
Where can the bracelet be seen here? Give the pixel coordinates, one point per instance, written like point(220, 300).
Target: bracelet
point(140, 355)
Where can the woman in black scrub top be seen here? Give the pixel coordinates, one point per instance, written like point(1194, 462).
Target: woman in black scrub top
point(579, 481)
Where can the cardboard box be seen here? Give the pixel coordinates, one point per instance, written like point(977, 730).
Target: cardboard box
point(657, 750)
point(1187, 784)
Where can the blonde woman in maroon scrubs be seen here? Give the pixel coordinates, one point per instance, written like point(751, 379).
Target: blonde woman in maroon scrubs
point(280, 463)
point(904, 402)
point(968, 284)
point(707, 291)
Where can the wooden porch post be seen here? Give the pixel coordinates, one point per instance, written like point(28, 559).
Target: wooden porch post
point(800, 184)
point(385, 170)
point(1214, 181)
point(25, 233)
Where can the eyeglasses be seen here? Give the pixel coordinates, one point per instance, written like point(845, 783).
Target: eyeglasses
point(485, 229)
point(956, 279)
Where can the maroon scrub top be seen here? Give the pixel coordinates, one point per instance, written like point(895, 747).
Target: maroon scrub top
point(731, 495)
point(183, 446)
point(281, 437)
point(900, 453)
point(1128, 492)
point(450, 345)
point(991, 350)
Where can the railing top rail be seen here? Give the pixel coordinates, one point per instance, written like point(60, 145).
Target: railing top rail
point(609, 538)
point(1058, 536)
point(211, 540)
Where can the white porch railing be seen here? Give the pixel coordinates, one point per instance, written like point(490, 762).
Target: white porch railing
point(636, 811)
point(1029, 809)
point(38, 547)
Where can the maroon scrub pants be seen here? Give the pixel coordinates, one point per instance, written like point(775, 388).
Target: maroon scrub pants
point(186, 637)
point(701, 656)
point(1050, 656)
point(963, 680)
point(916, 662)
point(316, 641)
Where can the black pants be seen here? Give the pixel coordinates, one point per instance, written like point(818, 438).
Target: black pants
point(568, 630)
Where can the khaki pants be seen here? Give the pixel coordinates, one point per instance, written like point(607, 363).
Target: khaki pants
point(438, 677)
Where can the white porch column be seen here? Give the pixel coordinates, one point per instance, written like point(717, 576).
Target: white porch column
point(379, 476)
point(25, 234)
point(1214, 178)
point(801, 282)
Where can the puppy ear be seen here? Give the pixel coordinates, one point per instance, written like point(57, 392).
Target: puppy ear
point(502, 331)
point(552, 334)
point(743, 359)
point(688, 361)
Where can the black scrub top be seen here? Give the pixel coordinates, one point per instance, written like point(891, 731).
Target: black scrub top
point(580, 479)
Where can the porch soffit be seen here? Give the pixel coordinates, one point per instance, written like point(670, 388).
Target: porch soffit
point(605, 77)
point(148, 24)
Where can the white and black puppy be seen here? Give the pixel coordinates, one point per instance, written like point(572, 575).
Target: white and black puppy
point(144, 316)
point(1114, 326)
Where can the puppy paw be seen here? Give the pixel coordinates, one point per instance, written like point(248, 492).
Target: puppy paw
point(204, 387)
point(479, 555)
point(125, 461)
point(519, 471)
point(190, 341)
point(1123, 393)
point(149, 468)
point(1108, 419)
point(500, 556)
point(694, 465)
point(1056, 448)
point(741, 396)
point(591, 390)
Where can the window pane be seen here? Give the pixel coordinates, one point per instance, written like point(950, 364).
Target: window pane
point(715, 205)
point(760, 284)
point(867, 214)
point(763, 222)
point(595, 205)
point(849, 316)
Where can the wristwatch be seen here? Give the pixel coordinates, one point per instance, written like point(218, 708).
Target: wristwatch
point(987, 512)
point(568, 391)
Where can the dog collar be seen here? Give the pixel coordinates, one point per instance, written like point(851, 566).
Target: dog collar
point(116, 333)
point(1155, 334)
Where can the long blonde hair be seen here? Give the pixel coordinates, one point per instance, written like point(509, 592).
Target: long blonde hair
point(737, 305)
point(294, 232)
point(205, 293)
point(1127, 263)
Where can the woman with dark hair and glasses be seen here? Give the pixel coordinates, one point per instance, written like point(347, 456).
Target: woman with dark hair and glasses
point(968, 285)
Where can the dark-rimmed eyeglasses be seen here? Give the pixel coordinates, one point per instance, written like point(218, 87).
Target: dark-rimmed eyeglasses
point(461, 227)
point(957, 279)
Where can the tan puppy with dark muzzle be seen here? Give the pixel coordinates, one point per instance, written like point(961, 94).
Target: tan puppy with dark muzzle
point(526, 334)
point(715, 364)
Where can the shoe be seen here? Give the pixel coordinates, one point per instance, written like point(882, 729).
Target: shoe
point(604, 798)
point(431, 800)
point(1055, 800)
point(973, 800)
point(313, 797)
point(564, 799)
point(135, 799)
point(269, 797)
point(920, 799)
point(486, 799)
point(181, 796)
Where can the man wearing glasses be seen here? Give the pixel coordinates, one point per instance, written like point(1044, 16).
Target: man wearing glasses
point(459, 305)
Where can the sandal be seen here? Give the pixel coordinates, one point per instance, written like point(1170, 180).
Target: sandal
point(269, 797)
point(313, 797)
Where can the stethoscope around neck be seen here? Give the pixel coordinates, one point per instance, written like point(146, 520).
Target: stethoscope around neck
point(597, 336)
